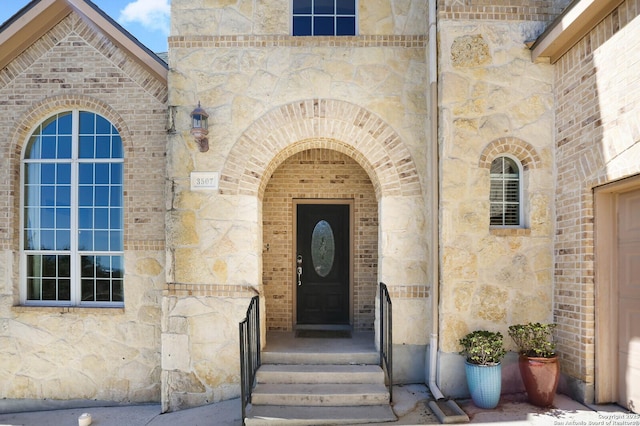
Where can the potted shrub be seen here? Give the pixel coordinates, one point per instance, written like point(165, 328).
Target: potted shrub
point(483, 351)
point(538, 361)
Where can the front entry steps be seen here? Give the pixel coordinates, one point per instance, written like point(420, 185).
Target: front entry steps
point(308, 389)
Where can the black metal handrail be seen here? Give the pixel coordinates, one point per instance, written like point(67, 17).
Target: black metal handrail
point(249, 352)
point(386, 337)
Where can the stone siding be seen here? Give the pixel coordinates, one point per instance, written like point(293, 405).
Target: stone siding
point(85, 353)
point(494, 101)
point(597, 142)
point(272, 99)
point(273, 17)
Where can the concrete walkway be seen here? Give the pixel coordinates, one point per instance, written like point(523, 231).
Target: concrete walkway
point(410, 405)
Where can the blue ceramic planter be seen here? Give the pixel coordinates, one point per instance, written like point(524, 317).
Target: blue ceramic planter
point(485, 382)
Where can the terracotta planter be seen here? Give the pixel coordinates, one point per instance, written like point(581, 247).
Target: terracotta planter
point(540, 377)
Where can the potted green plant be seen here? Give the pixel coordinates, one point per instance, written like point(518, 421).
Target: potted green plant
point(538, 361)
point(483, 351)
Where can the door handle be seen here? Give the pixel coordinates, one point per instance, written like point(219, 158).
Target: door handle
point(299, 268)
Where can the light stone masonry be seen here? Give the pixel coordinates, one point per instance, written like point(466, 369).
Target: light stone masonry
point(330, 118)
point(272, 100)
point(494, 102)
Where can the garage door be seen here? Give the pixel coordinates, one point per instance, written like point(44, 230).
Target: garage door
point(629, 300)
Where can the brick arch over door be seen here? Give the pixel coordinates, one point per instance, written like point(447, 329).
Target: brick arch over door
point(320, 123)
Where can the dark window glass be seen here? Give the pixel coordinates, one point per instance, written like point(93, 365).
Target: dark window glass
point(346, 7)
point(323, 26)
point(64, 147)
point(86, 146)
point(87, 123)
point(49, 289)
point(116, 147)
point(323, 7)
point(103, 127)
point(103, 146)
point(63, 176)
point(50, 126)
point(65, 124)
point(324, 17)
point(47, 218)
point(102, 173)
point(34, 287)
point(85, 174)
point(345, 26)
point(302, 6)
point(63, 218)
point(302, 26)
point(49, 144)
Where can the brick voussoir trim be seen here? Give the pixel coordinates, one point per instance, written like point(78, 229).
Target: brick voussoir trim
point(523, 151)
point(408, 291)
point(303, 125)
point(404, 41)
point(209, 290)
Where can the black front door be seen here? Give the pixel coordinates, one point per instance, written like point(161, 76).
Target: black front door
point(322, 264)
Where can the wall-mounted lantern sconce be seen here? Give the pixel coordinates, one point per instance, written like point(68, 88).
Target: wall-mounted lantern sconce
point(199, 130)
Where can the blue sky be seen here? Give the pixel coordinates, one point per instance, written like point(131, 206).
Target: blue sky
point(147, 20)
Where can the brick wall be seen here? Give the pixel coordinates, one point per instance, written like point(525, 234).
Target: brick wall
point(598, 97)
point(318, 173)
point(70, 68)
point(502, 10)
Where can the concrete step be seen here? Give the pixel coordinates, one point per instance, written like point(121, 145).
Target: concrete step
point(315, 358)
point(319, 394)
point(329, 373)
point(312, 415)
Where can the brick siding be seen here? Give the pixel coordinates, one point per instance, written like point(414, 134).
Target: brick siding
point(598, 99)
point(318, 173)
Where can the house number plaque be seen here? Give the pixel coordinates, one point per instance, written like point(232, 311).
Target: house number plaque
point(204, 180)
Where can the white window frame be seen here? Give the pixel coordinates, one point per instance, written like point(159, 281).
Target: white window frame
point(75, 253)
point(520, 192)
point(335, 15)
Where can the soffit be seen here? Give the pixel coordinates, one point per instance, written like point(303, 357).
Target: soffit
point(38, 17)
point(580, 17)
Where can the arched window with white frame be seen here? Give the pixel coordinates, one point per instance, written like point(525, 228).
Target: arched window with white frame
point(72, 215)
point(505, 195)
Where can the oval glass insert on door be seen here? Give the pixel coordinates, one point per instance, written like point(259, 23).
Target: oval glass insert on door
point(322, 248)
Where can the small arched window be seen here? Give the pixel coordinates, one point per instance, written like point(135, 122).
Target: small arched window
point(505, 198)
point(73, 242)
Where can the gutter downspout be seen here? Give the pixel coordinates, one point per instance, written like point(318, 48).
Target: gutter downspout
point(435, 198)
point(446, 410)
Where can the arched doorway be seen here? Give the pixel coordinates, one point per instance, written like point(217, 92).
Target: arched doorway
point(313, 180)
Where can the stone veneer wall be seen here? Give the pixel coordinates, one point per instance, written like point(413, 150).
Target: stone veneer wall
point(85, 353)
point(494, 101)
point(597, 141)
point(318, 173)
point(271, 96)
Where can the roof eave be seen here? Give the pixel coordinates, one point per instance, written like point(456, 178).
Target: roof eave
point(573, 24)
point(34, 21)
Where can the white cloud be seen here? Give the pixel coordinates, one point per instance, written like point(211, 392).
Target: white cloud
point(152, 14)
